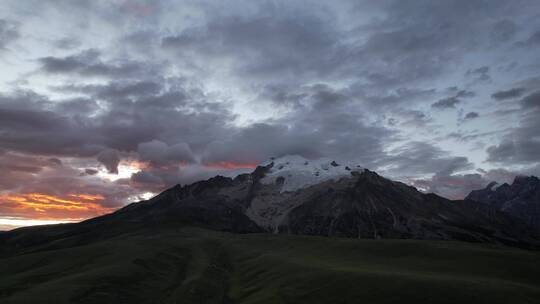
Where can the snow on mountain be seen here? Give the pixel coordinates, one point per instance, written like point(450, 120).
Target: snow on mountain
point(297, 172)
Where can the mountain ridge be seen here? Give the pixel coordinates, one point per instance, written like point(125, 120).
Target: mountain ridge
point(360, 205)
point(520, 199)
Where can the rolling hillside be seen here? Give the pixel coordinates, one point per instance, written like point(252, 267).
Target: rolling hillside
point(193, 265)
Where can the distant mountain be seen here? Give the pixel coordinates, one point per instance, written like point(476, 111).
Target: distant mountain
point(520, 199)
point(292, 195)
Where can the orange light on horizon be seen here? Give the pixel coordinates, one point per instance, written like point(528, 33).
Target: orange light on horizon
point(41, 206)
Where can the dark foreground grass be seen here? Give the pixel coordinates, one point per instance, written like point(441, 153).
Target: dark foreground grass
point(198, 266)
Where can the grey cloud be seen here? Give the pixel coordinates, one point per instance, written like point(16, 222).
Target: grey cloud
point(147, 181)
point(531, 101)
point(157, 179)
point(160, 154)
point(508, 94)
point(269, 42)
point(78, 105)
point(456, 186)
point(451, 102)
point(417, 158)
point(515, 151)
point(503, 31)
point(8, 32)
point(312, 134)
point(471, 115)
point(470, 136)
point(410, 118)
point(532, 41)
point(128, 113)
point(446, 103)
point(67, 43)
point(29, 124)
point(116, 89)
point(90, 171)
point(110, 158)
point(522, 143)
point(465, 94)
point(394, 98)
point(88, 63)
point(480, 74)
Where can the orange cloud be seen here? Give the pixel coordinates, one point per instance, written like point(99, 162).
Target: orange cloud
point(230, 165)
point(42, 206)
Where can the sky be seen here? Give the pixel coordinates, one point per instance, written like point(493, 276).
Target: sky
point(107, 102)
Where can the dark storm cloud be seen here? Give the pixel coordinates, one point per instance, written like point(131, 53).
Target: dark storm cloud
point(110, 158)
point(8, 32)
point(508, 94)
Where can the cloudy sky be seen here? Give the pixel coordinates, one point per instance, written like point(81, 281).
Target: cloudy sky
point(108, 102)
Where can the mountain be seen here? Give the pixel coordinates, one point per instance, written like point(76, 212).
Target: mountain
point(292, 195)
point(520, 199)
point(270, 237)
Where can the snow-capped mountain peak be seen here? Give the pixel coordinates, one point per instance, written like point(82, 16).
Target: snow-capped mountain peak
point(296, 172)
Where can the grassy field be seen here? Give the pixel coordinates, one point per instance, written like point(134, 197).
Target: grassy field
point(192, 265)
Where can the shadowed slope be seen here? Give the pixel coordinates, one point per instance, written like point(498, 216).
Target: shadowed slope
point(199, 266)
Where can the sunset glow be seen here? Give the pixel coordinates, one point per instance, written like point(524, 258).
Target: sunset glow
point(46, 207)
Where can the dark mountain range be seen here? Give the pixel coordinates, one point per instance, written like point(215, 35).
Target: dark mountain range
point(347, 203)
point(520, 199)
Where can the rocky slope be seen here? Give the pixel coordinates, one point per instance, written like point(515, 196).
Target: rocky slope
point(520, 199)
